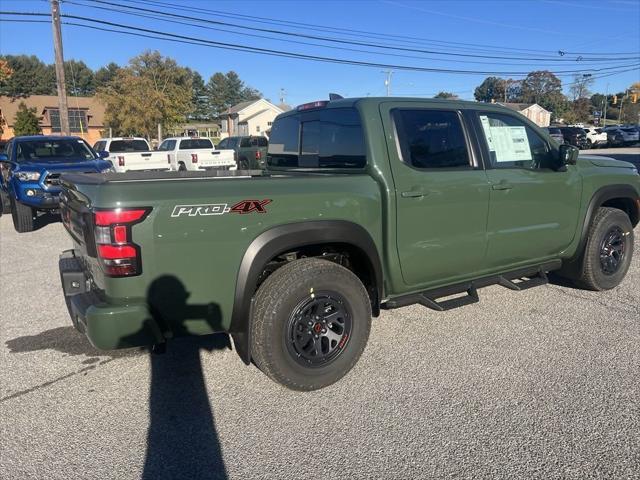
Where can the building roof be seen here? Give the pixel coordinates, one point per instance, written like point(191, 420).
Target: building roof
point(284, 107)
point(518, 107)
point(95, 109)
point(241, 106)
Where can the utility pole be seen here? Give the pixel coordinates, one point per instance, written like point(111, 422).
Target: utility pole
point(283, 95)
point(57, 48)
point(387, 80)
point(606, 101)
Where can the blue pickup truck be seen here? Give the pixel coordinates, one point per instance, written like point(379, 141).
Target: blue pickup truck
point(30, 170)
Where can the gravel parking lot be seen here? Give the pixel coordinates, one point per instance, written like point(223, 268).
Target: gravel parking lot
point(543, 383)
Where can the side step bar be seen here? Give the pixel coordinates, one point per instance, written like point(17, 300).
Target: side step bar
point(517, 280)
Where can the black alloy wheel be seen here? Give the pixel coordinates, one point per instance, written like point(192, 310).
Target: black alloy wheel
point(318, 329)
point(612, 250)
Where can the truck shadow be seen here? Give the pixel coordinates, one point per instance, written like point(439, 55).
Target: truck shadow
point(181, 441)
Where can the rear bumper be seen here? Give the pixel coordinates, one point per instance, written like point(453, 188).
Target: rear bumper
point(107, 326)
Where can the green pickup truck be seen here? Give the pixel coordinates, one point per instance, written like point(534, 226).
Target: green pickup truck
point(250, 151)
point(365, 204)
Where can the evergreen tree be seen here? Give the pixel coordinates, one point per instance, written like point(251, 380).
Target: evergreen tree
point(27, 121)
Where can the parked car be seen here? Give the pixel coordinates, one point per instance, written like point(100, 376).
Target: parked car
point(189, 153)
point(574, 136)
point(629, 135)
point(365, 204)
point(596, 137)
point(614, 138)
point(250, 151)
point(556, 134)
point(131, 153)
point(30, 170)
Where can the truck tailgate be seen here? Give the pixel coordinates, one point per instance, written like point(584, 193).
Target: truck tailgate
point(123, 162)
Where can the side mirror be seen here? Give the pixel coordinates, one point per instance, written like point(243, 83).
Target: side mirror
point(103, 154)
point(568, 154)
point(4, 157)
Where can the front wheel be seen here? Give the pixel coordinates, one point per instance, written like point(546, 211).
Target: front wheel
point(310, 323)
point(607, 253)
point(23, 217)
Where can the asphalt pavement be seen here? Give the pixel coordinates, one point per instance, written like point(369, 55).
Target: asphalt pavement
point(543, 383)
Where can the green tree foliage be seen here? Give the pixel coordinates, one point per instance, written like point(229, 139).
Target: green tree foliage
point(492, 88)
point(79, 79)
point(30, 76)
point(199, 98)
point(105, 74)
point(27, 121)
point(151, 90)
point(226, 90)
point(448, 95)
point(541, 87)
point(597, 101)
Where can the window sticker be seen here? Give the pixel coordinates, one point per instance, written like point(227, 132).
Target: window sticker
point(510, 144)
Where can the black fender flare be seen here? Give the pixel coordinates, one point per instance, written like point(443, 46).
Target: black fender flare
point(600, 196)
point(283, 238)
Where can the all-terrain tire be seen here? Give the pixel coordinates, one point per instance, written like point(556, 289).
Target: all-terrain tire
point(23, 217)
point(600, 254)
point(275, 310)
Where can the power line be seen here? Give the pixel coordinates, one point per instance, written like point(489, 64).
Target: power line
point(358, 33)
point(207, 27)
point(351, 42)
point(148, 33)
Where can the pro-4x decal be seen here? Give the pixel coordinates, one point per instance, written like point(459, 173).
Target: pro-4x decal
point(243, 207)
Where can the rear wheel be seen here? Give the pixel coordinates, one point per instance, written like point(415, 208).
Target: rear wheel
point(607, 254)
point(182, 167)
point(589, 143)
point(243, 164)
point(310, 323)
point(23, 216)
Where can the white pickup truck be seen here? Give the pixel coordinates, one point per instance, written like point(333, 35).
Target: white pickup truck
point(189, 153)
point(132, 153)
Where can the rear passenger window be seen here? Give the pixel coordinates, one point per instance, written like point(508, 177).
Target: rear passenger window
point(431, 139)
point(195, 144)
point(329, 138)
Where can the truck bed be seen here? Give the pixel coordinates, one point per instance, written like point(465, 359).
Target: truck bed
point(142, 176)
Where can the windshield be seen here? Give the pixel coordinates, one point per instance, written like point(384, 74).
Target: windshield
point(48, 150)
point(123, 146)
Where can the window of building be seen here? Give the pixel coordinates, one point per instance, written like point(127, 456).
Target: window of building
point(77, 120)
point(258, 128)
point(431, 138)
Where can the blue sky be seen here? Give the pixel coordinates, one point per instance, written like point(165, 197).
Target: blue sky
point(592, 27)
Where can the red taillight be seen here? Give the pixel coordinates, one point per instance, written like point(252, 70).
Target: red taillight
point(120, 161)
point(117, 254)
point(258, 154)
point(309, 106)
point(119, 215)
point(194, 158)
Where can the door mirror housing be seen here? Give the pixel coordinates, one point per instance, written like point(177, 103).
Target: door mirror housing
point(568, 155)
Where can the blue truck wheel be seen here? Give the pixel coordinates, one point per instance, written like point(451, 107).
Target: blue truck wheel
point(23, 216)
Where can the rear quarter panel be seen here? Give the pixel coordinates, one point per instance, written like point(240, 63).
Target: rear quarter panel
point(204, 252)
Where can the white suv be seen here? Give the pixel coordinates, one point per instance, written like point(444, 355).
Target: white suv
point(595, 137)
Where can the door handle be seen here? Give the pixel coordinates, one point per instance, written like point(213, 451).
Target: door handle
point(413, 194)
point(503, 185)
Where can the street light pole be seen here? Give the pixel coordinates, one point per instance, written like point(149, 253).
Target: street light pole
point(60, 82)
